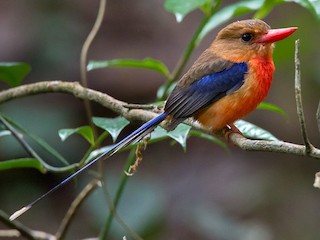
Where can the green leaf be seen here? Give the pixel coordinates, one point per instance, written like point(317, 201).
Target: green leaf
point(312, 5)
point(316, 7)
point(147, 63)
point(22, 163)
point(209, 137)
point(229, 12)
point(84, 131)
point(113, 126)
point(159, 133)
point(181, 8)
point(164, 91)
point(13, 72)
point(272, 107)
point(97, 152)
point(266, 8)
point(180, 134)
point(252, 131)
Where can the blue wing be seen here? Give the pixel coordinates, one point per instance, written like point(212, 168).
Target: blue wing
point(184, 102)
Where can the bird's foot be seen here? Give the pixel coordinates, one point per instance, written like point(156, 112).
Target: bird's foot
point(230, 128)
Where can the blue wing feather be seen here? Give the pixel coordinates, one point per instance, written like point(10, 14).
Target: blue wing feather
point(221, 82)
point(186, 101)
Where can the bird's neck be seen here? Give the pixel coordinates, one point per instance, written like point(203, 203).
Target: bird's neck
point(263, 52)
point(262, 71)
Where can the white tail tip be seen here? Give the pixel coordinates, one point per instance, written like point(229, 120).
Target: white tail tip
point(19, 213)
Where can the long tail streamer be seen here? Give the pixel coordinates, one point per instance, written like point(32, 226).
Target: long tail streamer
point(135, 136)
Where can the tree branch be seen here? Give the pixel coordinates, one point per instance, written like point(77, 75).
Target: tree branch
point(118, 107)
point(75, 89)
point(272, 146)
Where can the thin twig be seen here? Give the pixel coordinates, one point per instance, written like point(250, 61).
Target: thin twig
point(26, 232)
point(23, 231)
point(84, 54)
point(75, 206)
point(20, 138)
point(9, 233)
point(40, 235)
point(299, 98)
point(38, 140)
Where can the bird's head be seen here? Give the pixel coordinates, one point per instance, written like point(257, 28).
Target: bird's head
point(247, 39)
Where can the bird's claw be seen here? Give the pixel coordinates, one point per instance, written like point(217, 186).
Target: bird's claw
point(230, 128)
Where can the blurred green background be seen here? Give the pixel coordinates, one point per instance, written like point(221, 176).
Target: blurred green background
point(203, 193)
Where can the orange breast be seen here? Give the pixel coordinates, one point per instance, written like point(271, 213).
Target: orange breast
point(241, 102)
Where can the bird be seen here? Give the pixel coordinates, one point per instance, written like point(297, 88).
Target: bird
point(226, 82)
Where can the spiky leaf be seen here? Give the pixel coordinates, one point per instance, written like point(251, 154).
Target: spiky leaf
point(181, 8)
point(147, 63)
point(114, 126)
point(252, 131)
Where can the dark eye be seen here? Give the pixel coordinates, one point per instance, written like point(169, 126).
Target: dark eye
point(246, 37)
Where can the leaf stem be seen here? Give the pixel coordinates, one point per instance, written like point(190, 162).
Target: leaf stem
point(38, 140)
point(75, 206)
point(194, 42)
point(28, 148)
point(20, 139)
point(187, 52)
point(97, 143)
